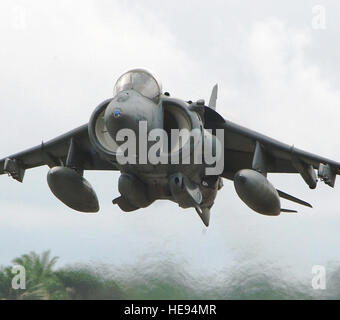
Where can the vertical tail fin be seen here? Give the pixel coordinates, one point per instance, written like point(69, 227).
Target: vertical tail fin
point(213, 97)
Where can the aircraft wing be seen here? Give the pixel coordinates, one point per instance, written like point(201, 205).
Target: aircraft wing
point(247, 149)
point(72, 148)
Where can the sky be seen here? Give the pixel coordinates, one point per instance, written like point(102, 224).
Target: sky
point(278, 73)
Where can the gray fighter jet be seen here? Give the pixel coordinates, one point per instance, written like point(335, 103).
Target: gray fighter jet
point(181, 171)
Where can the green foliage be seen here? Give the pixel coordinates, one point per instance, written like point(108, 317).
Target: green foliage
point(82, 283)
point(161, 279)
point(43, 283)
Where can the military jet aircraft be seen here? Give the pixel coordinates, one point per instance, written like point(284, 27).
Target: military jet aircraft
point(247, 156)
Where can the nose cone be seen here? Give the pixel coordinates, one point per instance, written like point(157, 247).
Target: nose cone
point(127, 110)
point(121, 114)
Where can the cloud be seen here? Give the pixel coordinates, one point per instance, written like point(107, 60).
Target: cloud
point(288, 97)
point(65, 61)
point(61, 65)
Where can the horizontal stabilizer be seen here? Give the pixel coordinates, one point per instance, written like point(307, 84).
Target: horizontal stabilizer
point(294, 199)
point(288, 211)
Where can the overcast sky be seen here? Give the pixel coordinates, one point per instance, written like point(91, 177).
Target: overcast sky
point(277, 74)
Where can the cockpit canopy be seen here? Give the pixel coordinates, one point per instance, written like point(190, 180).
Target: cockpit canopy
point(141, 81)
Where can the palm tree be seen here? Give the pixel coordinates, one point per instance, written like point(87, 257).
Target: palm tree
point(41, 281)
point(6, 290)
point(38, 267)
